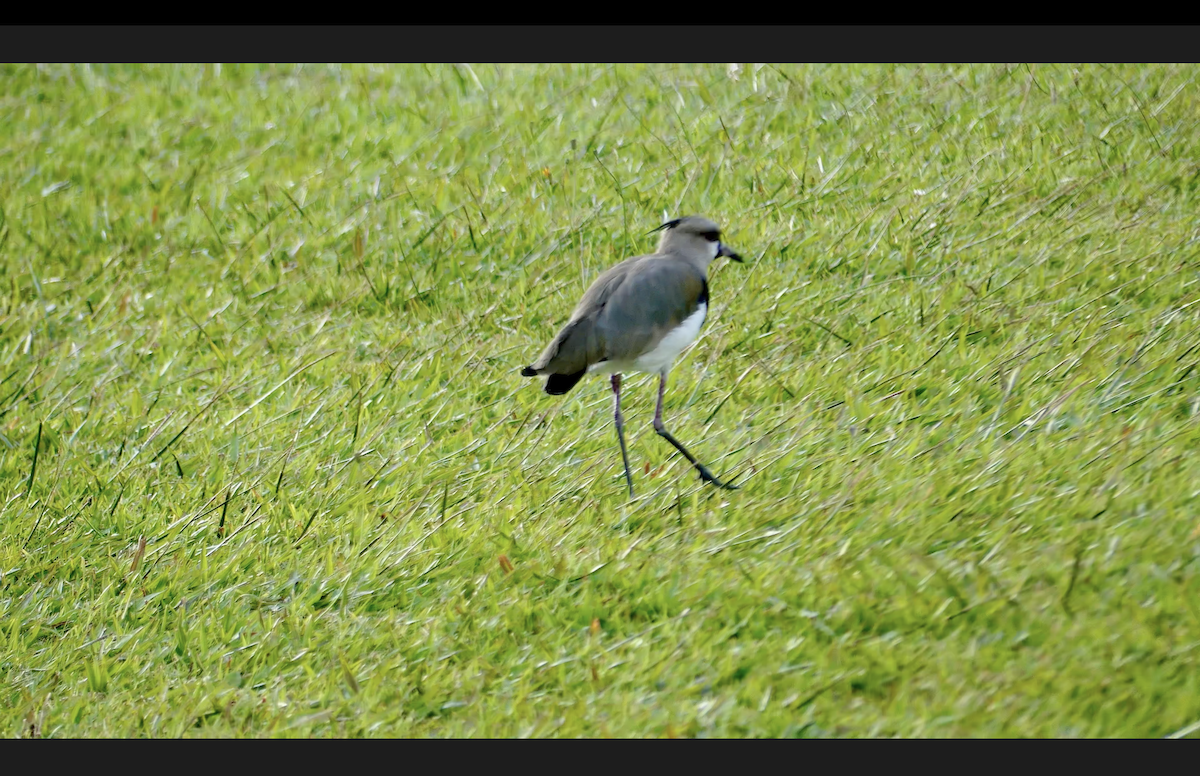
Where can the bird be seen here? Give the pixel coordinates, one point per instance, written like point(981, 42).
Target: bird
point(638, 316)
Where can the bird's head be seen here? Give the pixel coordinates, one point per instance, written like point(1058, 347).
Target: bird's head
point(694, 237)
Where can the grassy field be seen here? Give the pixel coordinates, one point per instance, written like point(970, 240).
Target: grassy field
point(267, 466)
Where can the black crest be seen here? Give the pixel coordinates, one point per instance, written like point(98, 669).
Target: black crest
point(668, 225)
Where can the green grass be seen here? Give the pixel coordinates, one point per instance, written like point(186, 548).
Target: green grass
point(267, 466)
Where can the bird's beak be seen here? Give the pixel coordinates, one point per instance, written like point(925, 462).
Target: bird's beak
point(724, 250)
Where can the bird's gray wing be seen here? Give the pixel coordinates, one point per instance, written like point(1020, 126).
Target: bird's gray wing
point(579, 344)
point(656, 297)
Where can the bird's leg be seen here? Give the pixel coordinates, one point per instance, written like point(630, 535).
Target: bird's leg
point(620, 423)
point(705, 474)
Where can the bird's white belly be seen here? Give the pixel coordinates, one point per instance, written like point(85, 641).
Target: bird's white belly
point(663, 355)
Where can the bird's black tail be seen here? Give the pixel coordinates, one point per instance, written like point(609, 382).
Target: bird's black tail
point(557, 385)
point(528, 372)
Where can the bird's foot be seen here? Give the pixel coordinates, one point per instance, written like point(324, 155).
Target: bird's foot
point(708, 476)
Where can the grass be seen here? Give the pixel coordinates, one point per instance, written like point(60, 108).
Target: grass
point(267, 466)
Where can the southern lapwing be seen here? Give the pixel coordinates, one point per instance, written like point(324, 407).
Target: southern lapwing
point(639, 316)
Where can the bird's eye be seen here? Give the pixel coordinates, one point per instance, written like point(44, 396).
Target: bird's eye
point(712, 236)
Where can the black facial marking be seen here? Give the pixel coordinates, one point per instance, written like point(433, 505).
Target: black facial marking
point(711, 236)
